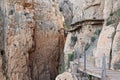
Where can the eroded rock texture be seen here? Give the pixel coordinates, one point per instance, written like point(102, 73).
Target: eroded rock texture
point(2, 69)
point(33, 39)
point(107, 41)
point(84, 33)
point(96, 46)
point(77, 10)
point(116, 49)
point(66, 7)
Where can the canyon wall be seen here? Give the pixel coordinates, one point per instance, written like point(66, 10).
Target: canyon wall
point(96, 40)
point(108, 43)
point(33, 39)
point(88, 21)
point(32, 36)
point(94, 31)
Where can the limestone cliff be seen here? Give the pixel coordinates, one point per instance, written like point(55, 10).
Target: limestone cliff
point(109, 38)
point(85, 14)
point(95, 28)
point(31, 39)
point(32, 36)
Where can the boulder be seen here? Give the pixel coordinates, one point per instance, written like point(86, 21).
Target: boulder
point(65, 76)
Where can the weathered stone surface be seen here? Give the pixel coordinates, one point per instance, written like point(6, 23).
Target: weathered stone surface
point(77, 10)
point(104, 45)
point(116, 50)
point(69, 48)
point(87, 36)
point(1, 29)
point(1, 70)
point(65, 76)
point(90, 9)
point(1, 40)
point(106, 40)
point(86, 42)
point(33, 40)
point(107, 8)
point(66, 8)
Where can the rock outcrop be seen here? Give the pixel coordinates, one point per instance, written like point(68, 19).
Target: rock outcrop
point(65, 76)
point(86, 25)
point(96, 26)
point(85, 14)
point(107, 41)
point(33, 39)
point(32, 36)
point(66, 7)
point(115, 63)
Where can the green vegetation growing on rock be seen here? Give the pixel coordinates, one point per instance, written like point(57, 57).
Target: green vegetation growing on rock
point(70, 58)
point(109, 22)
point(62, 69)
point(97, 32)
point(114, 17)
point(87, 46)
point(74, 39)
point(92, 39)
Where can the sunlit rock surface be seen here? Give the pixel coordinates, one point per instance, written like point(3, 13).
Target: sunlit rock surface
point(33, 39)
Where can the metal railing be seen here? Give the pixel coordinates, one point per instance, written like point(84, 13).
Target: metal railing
point(103, 76)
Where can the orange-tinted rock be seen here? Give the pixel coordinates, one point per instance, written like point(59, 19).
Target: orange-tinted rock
point(33, 41)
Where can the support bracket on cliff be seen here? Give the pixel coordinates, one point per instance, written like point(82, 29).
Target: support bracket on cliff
point(78, 25)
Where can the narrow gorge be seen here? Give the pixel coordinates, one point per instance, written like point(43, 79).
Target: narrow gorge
point(49, 39)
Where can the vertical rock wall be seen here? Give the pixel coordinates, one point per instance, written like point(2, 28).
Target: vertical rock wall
point(87, 34)
point(33, 40)
point(108, 42)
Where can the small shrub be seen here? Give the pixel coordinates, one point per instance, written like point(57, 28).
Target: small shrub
point(62, 69)
point(74, 39)
point(111, 14)
point(70, 58)
point(110, 21)
point(97, 32)
point(92, 39)
point(87, 46)
point(114, 17)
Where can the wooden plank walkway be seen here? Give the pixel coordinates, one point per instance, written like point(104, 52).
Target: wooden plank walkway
point(97, 72)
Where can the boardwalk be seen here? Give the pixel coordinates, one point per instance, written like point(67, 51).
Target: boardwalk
point(97, 72)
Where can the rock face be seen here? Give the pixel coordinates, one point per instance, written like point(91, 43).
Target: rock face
point(32, 36)
point(66, 8)
point(85, 13)
point(104, 45)
point(65, 76)
point(1, 41)
point(116, 49)
point(90, 9)
point(77, 10)
point(33, 40)
point(107, 43)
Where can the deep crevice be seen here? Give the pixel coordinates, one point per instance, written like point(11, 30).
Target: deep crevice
point(4, 63)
